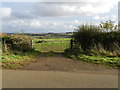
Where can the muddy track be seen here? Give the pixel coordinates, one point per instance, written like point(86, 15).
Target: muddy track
point(61, 63)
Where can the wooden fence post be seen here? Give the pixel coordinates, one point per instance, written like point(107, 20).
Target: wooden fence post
point(71, 44)
point(31, 43)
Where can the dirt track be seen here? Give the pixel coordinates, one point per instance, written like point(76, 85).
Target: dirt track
point(61, 63)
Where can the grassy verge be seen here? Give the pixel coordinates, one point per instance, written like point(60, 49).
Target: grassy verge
point(13, 61)
point(110, 62)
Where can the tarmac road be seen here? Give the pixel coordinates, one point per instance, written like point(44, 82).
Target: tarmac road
point(55, 79)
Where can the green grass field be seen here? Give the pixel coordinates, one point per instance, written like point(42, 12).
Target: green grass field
point(56, 45)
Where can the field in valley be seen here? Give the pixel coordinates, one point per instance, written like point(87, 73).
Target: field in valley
point(56, 45)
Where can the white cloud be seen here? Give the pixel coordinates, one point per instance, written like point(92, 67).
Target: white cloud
point(85, 7)
point(5, 12)
point(46, 15)
point(114, 17)
point(35, 23)
point(38, 24)
point(68, 9)
point(110, 17)
point(94, 9)
point(55, 23)
point(71, 26)
point(96, 17)
point(76, 21)
point(15, 23)
point(99, 18)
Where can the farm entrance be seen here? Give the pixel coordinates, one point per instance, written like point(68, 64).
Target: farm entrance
point(55, 45)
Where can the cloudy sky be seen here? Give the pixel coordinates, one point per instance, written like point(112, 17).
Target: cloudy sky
point(40, 17)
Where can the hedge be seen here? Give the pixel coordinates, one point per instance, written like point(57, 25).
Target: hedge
point(89, 35)
point(16, 43)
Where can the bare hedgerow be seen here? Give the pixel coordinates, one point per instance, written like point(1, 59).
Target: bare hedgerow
point(100, 50)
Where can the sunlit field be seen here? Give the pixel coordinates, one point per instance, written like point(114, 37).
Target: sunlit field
point(56, 45)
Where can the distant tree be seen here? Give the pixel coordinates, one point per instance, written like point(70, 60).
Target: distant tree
point(108, 26)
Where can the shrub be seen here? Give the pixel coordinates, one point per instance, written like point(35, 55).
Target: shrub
point(17, 42)
point(87, 36)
